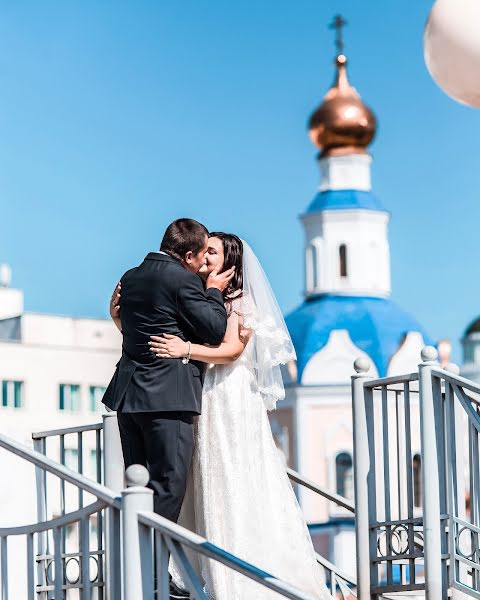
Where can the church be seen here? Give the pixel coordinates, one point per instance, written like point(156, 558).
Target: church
point(347, 313)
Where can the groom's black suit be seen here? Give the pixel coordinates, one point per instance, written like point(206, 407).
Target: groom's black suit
point(156, 398)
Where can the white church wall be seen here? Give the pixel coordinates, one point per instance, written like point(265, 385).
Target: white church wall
point(347, 172)
point(364, 233)
point(407, 358)
point(334, 362)
point(321, 419)
point(341, 431)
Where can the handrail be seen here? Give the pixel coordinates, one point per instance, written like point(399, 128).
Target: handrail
point(351, 579)
point(395, 379)
point(67, 519)
point(339, 500)
point(456, 379)
point(202, 546)
point(38, 435)
point(293, 475)
point(47, 464)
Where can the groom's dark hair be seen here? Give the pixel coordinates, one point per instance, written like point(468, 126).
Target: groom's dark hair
point(182, 236)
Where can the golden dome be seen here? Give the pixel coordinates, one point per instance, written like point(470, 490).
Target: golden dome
point(342, 124)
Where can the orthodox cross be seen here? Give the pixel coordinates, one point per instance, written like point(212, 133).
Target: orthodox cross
point(338, 23)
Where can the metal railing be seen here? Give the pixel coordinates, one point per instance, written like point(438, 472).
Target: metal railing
point(120, 562)
point(53, 571)
point(102, 439)
point(320, 490)
point(455, 487)
point(92, 450)
point(404, 545)
point(154, 538)
point(385, 411)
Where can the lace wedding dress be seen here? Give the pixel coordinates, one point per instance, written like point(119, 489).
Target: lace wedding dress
point(239, 496)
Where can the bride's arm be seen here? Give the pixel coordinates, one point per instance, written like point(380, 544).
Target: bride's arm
point(234, 342)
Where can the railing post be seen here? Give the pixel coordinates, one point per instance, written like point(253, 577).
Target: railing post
point(113, 478)
point(137, 550)
point(361, 471)
point(430, 480)
point(113, 466)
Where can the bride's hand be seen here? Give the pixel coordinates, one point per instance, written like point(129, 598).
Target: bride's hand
point(115, 301)
point(168, 346)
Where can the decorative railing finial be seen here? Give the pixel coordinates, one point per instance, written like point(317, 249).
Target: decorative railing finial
point(136, 475)
point(429, 354)
point(361, 365)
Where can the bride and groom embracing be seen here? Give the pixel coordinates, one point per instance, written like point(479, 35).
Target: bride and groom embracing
point(203, 341)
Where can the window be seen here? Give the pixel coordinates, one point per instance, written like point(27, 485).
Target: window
point(417, 480)
point(344, 473)
point(69, 397)
point(96, 395)
point(342, 251)
point(12, 394)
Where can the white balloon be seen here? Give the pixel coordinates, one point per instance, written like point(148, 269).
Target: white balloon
point(452, 48)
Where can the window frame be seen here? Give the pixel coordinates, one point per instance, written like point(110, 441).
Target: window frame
point(74, 404)
point(12, 393)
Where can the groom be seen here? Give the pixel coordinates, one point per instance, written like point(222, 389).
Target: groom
point(156, 398)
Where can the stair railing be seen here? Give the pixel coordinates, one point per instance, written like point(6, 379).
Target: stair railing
point(398, 551)
point(128, 557)
point(55, 564)
point(154, 538)
point(103, 440)
point(388, 529)
point(456, 426)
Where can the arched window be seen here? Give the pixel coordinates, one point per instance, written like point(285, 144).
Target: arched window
point(342, 252)
point(417, 480)
point(344, 474)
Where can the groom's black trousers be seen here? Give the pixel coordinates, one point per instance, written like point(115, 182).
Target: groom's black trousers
point(163, 443)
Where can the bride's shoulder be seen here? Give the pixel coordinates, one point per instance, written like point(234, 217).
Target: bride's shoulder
point(242, 304)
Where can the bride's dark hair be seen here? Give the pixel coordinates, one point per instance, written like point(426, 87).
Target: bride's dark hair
point(232, 257)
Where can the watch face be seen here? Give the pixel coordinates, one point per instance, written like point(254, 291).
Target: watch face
point(185, 360)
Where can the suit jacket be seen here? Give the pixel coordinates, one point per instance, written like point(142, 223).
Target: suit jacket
point(161, 296)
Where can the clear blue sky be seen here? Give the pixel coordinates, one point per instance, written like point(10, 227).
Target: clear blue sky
point(117, 117)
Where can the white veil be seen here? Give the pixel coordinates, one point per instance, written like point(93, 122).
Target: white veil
point(272, 345)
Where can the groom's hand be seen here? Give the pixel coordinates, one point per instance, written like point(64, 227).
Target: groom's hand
point(220, 280)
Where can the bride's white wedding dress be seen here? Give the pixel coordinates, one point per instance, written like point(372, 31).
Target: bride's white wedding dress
point(239, 496)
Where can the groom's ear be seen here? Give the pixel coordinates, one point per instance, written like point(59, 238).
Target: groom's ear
point(187, 259)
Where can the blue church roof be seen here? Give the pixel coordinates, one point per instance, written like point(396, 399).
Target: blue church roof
point(344, 199)
point(376, 325)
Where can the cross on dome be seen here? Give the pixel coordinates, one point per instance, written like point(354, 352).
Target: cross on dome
point(338, 23)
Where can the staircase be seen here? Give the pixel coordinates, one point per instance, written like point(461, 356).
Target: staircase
point(94, 538)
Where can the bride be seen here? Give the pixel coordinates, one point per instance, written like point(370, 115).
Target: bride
point(239, 496)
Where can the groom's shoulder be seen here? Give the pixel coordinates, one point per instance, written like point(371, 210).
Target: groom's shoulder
point(127, 274)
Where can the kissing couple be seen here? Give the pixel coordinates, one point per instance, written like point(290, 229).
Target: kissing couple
point(203, 341)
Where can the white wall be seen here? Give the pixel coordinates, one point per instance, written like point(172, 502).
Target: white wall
point(53, 350)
